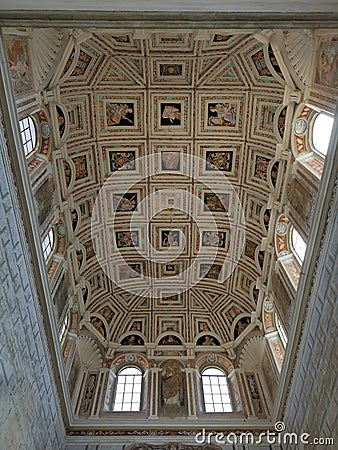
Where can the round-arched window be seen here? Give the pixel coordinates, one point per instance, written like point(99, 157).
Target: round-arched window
point(128, 390)
point(281, 331)
point(28, 135)
point(48, 243)
point(216, 391)
point(298, 245)
point(321, 133)
point(64, 327)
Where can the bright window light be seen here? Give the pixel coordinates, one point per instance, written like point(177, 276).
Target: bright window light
point(64, 327)
point(28, 135)
point(321, 133)
point(298, 245)
point(128, 390)
point(47, 243)
point(281, 332)
point(216, 391)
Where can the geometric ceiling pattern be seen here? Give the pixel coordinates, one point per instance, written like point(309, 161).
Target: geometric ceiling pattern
point(168, 171)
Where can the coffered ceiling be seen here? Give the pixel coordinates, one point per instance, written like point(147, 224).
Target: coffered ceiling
point(169, 175)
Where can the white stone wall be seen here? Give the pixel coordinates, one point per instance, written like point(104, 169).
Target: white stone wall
point(30, 416)
point(313, 401)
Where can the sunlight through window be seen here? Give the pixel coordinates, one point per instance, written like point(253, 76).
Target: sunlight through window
point(216, 391)
point(321, 133)
point(281, 332)
point(47, 244)
point(128, 390)
point(28, 135)
point(298, 244)
point(64, 327)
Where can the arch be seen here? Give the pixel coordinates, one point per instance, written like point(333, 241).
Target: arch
point(117, 366)
point(85, 292)
point(254, 292)
point(265, 217)
point(239, 325)
point(125, 359)
point(260, 257)
point(74, 215)
point(35, 133)
point(99, 324)
point(284, 250)
point(169, 338)
point(308, 145)
point(60, 122)
point(134, 338)
point(240, 317)
point(206, 339)
point(217, 360)
point(281, 121)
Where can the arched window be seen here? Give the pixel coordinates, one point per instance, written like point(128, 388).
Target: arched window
point(64, 327)
point(281, 331)
point(298, 245)
point(321, 133)
point(48, 243)
point(128, 390)
point(28, 135)
point(312, 132)
point(216, 392)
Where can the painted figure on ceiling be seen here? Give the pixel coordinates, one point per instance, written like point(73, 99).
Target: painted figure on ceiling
point(127, 239)
point(241, 326)
point(98, 325)
point(171, 114)
point(119, 114)
point(213, 239)
point(207, 340)
point(122, 160)
point(19, 63)
point(327, 70)
point(126, 202)
point(261, 167)
point(216, 202)
point(132, 339)
point(170, 340)
point(170, 238)
point(219, 160)
point(222, 114)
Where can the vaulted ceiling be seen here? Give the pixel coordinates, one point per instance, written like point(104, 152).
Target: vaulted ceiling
point(166, 167)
